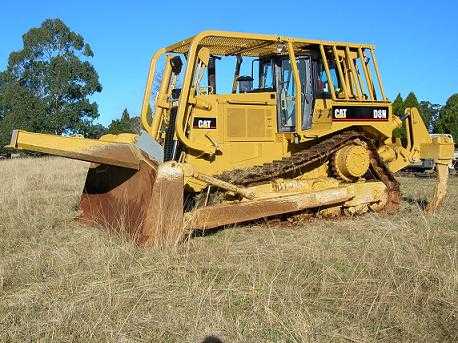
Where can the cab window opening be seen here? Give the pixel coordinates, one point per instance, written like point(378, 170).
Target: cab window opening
point(236, 75)
point(322, 85)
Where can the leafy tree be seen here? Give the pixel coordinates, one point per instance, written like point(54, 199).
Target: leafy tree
point(91, 130)
point(397, 105)
point(18, 109)
point(126, 124)
point(409, 101)
point(447, 121)
point(429, 113)
point(47, 84)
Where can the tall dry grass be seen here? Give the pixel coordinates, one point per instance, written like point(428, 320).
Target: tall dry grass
point(360, 279)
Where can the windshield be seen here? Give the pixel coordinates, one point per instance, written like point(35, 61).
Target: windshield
point(266, 75)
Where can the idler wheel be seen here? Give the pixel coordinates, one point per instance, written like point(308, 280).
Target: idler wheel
point(351, 162)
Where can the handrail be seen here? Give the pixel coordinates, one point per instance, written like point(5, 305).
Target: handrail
point(366, 74)
point(183, 102)
point(249, 102)
point(161, 99)
point(184, 99)
point(328, 73)
point(339, 70)
point(377, 72)
point(297, 86)
point(354, 74)
point(148, 89)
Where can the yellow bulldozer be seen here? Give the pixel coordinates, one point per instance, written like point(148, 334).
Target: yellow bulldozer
point(298, 127)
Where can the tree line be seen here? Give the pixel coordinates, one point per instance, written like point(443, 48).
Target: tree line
point(47, 87)
point(438, 118)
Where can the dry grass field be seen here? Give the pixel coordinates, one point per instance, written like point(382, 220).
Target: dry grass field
point(366, 279)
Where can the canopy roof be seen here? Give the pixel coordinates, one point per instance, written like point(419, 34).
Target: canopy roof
point(250, 44)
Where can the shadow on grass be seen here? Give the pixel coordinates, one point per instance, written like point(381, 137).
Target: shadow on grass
point(197, 233)
point(278, 221)
point(212, 339)
point(420, 202)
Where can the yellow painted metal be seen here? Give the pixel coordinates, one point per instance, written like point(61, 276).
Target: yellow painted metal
point(347, 77)
point(315, 173)
point(119, 138)
point(228, 213)
point(328, 73)
point(353, 73)
point(246, 132)
point(441, 149)
point(106, 151)
point(440, 189)
point(351, 162)
point(366, 74)
point(148, 89)
point(345, 197)
point(366, 193)
point(360, 82)
point(248, 44)
point(190, 171)
point(387, 153)
point(420, 145)
point(297, 85)
point(204, 55)
point(302, 185)
point(161, 104)
point(183, 105)
point(377, 72)
point(341, 75)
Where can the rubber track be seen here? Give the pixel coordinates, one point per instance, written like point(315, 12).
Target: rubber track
point(318, 153)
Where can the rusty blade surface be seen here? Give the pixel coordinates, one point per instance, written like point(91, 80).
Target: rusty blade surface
point(118, 199)
point(125, 190)
point(145, 205)
point(164, 220)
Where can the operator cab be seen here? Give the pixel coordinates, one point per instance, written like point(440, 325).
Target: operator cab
point(230, 89)
point(274, 74)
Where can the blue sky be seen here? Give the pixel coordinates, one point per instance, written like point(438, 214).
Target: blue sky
point(417, 41)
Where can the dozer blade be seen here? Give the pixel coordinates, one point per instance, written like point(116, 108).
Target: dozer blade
point(145, 204)
point(125, 191)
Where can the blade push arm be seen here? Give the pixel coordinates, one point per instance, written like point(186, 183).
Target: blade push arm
point(121, 154)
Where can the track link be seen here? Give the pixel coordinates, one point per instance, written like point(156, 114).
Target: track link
point(319, 153)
